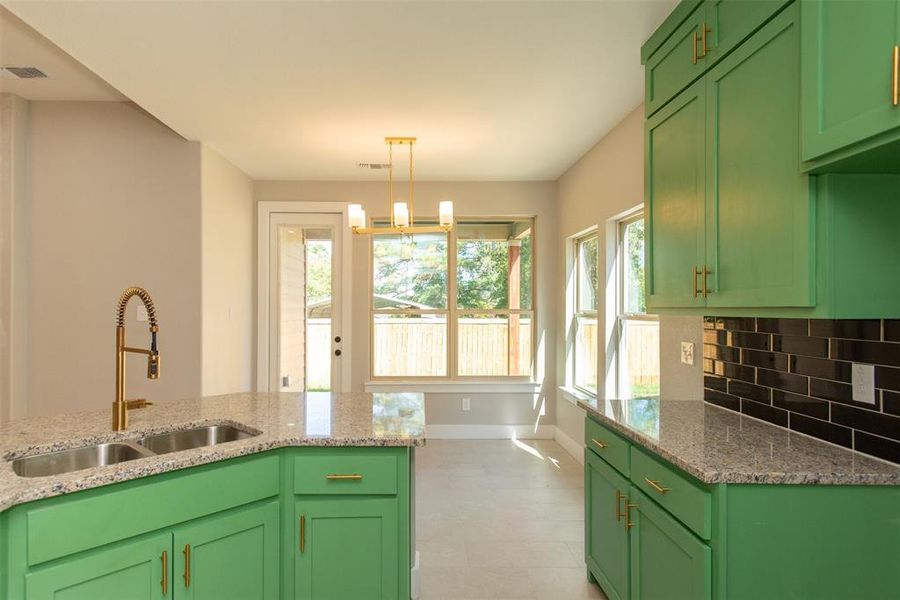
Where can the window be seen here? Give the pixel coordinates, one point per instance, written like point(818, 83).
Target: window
point(584, 367)
point(637, 347)
point(455, 305)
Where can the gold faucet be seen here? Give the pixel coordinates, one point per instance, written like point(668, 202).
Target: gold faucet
point(121, 406)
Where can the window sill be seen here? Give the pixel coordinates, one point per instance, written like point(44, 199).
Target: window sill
point(455, 387)
point(575, 395)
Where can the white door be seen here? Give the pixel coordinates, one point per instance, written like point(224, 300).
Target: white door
point(304, 302)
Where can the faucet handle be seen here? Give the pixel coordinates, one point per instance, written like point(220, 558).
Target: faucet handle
point(153, 365)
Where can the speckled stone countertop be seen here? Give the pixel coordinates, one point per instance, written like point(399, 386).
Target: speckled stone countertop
point(311, 419)
point(716, 445)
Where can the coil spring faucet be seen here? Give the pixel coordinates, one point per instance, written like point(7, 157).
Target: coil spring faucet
point(122, 406)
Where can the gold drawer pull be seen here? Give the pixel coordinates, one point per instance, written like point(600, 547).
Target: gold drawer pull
point(187, 565)
point(619, 497)
point(895, 78)
point(703, 39)
point(600, 444)
point(165, 573)
point(655, 485)
point(353, 476)
point(694, 43)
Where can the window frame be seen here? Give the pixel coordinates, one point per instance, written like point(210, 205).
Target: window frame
point(623, 316)
point(453, 311)
point(579, 313)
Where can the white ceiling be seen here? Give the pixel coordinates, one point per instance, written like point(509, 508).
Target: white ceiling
point(304, 90)
point(67, 79)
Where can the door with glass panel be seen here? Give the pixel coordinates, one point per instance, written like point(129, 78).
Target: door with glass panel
point(305, 335)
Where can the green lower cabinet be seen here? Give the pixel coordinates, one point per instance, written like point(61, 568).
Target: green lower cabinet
point(667, 561)
point(606, 540)
point(131, 570)
point(347, 547)
point(229, 556)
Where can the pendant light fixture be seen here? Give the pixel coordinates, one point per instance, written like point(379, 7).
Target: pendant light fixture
point(401, 213)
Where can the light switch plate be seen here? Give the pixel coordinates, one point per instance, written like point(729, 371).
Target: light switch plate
point(466, 403)
point(687, 353)
point(863, 378)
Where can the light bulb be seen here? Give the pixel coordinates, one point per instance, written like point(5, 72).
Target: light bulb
point(356, 215)
point(401, 214)
point(446, 212)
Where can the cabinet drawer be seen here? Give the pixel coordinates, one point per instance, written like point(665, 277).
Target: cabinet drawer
point(346, 472)
point(730, 22)
point(686, 500)
point(608, 445)
point(675, 64)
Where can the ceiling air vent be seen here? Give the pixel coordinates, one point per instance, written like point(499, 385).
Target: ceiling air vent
point(24, 72)
point(375, 166)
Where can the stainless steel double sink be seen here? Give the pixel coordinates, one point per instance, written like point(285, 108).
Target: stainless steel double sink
point(98, 455)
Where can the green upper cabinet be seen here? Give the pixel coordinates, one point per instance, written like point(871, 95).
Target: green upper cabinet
point(730, 22)
point(730, 215)
point(667, 561)
point(849, 86)
point(229, 555)
point(606, 538)
point(347, 547)
point(675, 197)
point(137, 570)
point(675, 63)
point(759, 243)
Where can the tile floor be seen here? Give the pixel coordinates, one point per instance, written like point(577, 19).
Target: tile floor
point(498, 519)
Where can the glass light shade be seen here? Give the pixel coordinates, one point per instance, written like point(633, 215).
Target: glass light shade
point(401, 214)
point(446, 212)
point(356, 215)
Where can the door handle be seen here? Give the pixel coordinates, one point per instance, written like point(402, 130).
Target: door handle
point(619, 497)
point(695, 272)
point(706, 272)
point(187, 565)
point(703, 40)
point(165, 573)
point(628, 507)
point(302, 533)
point(694, 44)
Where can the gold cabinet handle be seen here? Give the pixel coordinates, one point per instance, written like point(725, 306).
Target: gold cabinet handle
point(656, 486)
point(598, 443)
point(695, 272)
point(628, 506)
point(895, 78)
point(187, 565)
point(619, 497)
point(352, 476)
point(703, 40)
point(165, 573)
point(694, 43)
point(705, 291)
point(302, 533)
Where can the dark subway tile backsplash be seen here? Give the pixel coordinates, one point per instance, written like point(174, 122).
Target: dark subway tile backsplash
point(797, 373)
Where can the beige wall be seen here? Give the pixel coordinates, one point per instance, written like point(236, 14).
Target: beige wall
point(470, 199)
point(606, 182)
point(14, 216)
point(115, 202)
point(228, 267)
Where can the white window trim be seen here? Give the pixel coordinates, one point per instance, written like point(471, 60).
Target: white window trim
point(572, 388)
point(453, 382)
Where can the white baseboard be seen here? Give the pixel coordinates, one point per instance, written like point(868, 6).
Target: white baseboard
point(570, 445)
point(489, 432)
point(415, 579)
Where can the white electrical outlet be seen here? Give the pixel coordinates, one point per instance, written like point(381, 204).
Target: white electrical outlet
point(142, 316)
point(467, 403)
point(863, 378)
point(687, 353)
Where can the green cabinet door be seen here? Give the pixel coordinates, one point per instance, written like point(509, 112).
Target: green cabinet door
point(605, 536)
point(675, 63)
point(131, 570)
point(347, 547)
point(229, 556)
point(675, 196)
point(760, 235)
point(847, 62)
point(667, 561)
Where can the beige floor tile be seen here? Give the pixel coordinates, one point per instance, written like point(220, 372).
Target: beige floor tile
point(441, 553)
point(558, 583)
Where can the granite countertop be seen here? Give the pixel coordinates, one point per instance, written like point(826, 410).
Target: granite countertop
point(716, 445)
point(280, 419)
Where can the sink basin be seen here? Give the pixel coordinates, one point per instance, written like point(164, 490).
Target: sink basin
point(174, 441)
point(76, 459)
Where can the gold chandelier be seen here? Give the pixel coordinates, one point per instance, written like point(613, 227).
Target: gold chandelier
point(401, 213)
